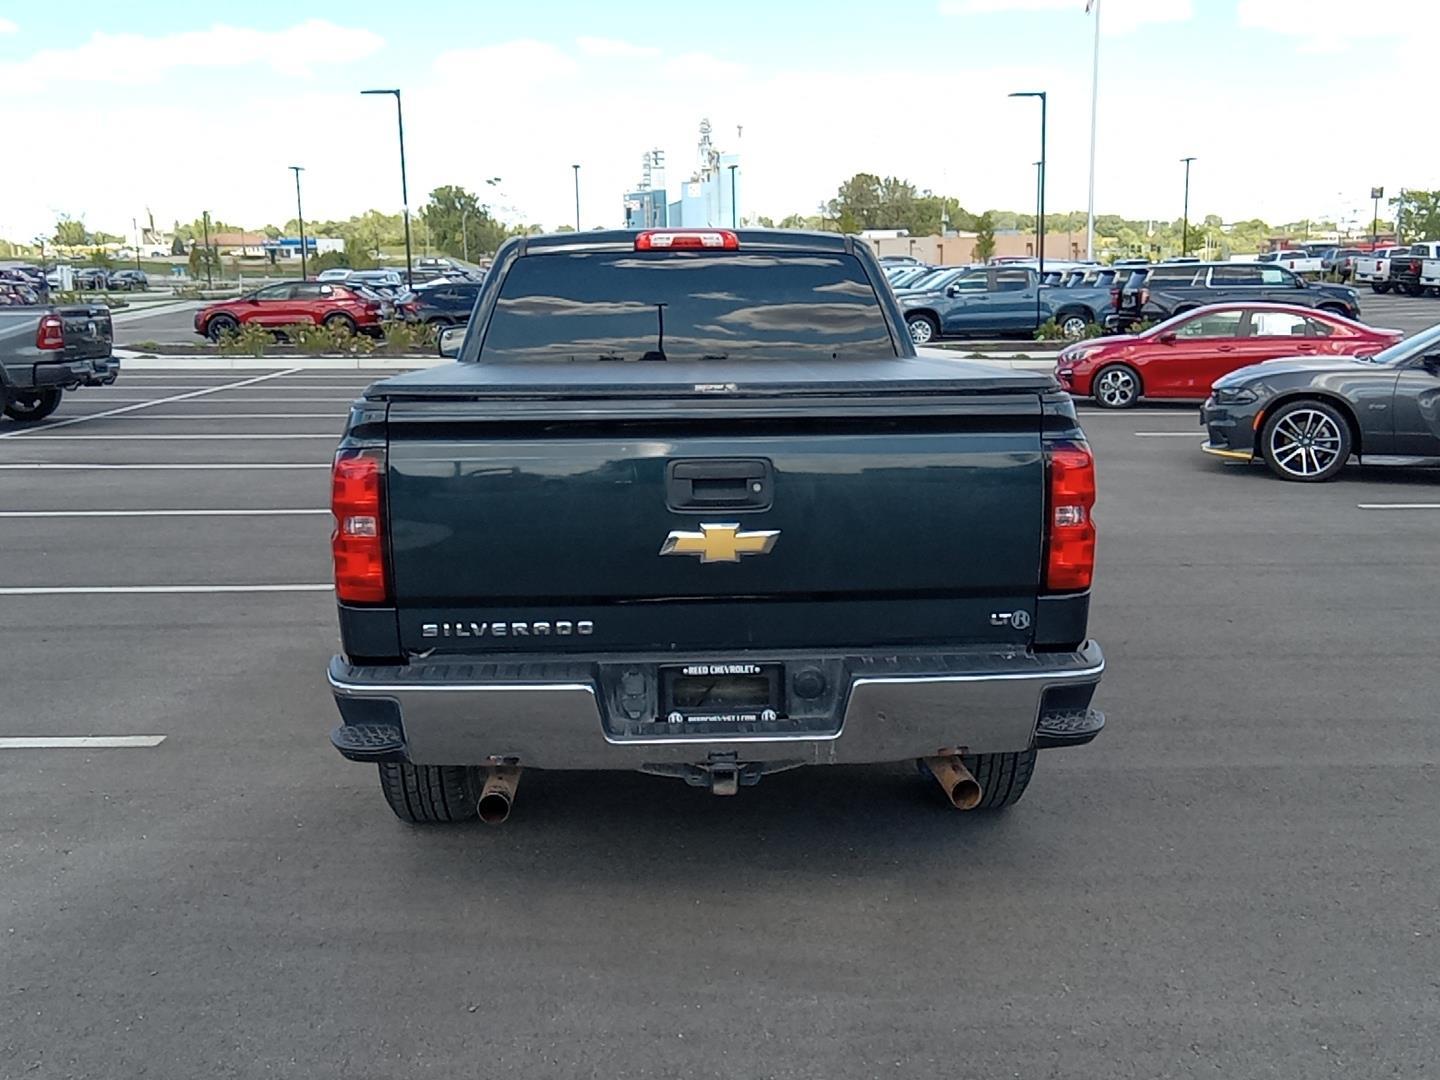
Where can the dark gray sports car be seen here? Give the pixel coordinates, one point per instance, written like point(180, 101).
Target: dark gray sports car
point(1306, 417)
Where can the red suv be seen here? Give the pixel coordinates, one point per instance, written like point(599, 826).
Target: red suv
point(320, 302)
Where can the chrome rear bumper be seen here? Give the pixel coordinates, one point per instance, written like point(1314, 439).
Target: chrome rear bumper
point(558, 715)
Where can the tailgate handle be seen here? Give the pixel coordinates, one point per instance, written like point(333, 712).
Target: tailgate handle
point(717, 484)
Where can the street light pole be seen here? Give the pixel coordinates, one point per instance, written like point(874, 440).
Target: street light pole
point(734, 210)
point(135, 228)
point(404, 184)
point(1185, 216)
point(1376, 194)
point(465, 230)
point(1040, 215)
point(300, 217)
point(1037, 207)
point(205, 224)
point(577, 196)
point(1094, 102)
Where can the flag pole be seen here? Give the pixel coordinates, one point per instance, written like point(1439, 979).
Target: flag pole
point(1094, 99)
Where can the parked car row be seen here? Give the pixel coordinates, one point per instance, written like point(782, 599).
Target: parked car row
point(1182, 356)
point(1012, 299)
point(351, 306)
point(1412, 269)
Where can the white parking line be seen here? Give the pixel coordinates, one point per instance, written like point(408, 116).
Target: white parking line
point(78, 742)
point(247, 435)
point(1398, 506)
point(23, 432)
point(208, 466)
point(1196, 434)
point(244, 416)
point(106, 590)
point(154, 513)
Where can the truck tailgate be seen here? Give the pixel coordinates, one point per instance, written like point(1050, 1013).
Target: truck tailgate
point(895, 526)
point(88, 331)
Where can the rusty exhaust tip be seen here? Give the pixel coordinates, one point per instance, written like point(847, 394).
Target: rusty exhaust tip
point(498, 794)
point(962, 789)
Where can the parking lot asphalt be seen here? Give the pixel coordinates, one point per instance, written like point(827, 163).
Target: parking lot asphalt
point(1408, 313)
point(174, 324)
point(1238, 878)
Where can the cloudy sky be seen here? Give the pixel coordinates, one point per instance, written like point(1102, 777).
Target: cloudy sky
point(115, 108)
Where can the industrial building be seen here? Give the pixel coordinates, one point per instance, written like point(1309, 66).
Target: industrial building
point(710, 197)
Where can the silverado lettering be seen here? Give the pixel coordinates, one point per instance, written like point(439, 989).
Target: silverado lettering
point(716, 388)
point(562, 628)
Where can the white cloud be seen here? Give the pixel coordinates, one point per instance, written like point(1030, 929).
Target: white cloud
point(599, 46)
point(505, 66)
point(8, 27)
point(1117, 16)
point(703, 68)
point(134, 58)
point(1332, 26)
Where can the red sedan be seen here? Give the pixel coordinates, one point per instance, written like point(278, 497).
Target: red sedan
point(1182, 356)
point(275, 306)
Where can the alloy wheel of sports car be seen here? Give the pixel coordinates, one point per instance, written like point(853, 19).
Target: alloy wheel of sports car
point(1306, 441)
point(1116, 387)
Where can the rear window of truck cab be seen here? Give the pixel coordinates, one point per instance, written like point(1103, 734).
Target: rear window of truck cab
point(683, 306)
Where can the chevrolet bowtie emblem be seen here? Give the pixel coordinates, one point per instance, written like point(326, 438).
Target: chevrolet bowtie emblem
point(720, 543)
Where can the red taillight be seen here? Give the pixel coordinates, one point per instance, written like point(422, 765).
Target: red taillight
point(1116, 295)
point(50, 334)
point(674, 239)
point(358, 542)
point(1070, 539)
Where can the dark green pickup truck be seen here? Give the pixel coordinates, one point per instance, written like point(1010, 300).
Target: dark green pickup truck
point(691, 503)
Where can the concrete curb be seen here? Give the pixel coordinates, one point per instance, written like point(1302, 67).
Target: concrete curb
point(131, 362)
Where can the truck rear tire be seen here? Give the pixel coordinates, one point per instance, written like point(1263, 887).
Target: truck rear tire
point(1003, 778)
point(428, 794)
point(1380, 286)
point(32, 406)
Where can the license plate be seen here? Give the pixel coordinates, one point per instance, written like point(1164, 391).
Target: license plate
point(730, 693)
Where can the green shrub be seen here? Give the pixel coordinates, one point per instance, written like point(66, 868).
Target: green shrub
point(312, 340)
point(246, 340)
point(402, 338)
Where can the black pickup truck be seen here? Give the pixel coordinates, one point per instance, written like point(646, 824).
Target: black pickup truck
point(48, 349)
point(691, 503)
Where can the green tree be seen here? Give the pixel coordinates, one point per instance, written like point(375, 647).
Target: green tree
point(71, 232)
point(857, 203)
point(101, 258)
point(984, 236)
point(200, 256)
point(459, 223)
point(1418, 213)
point(357, 256)
point(177, 246)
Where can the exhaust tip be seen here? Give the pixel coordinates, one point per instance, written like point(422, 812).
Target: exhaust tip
point(960, 787)
point(497, 794)
point(965, 795)
point(493, 807)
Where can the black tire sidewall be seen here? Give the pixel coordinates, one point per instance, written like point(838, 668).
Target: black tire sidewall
point(221, 324)
point(50, 398)
point(337, 321)
point(1347, 442)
